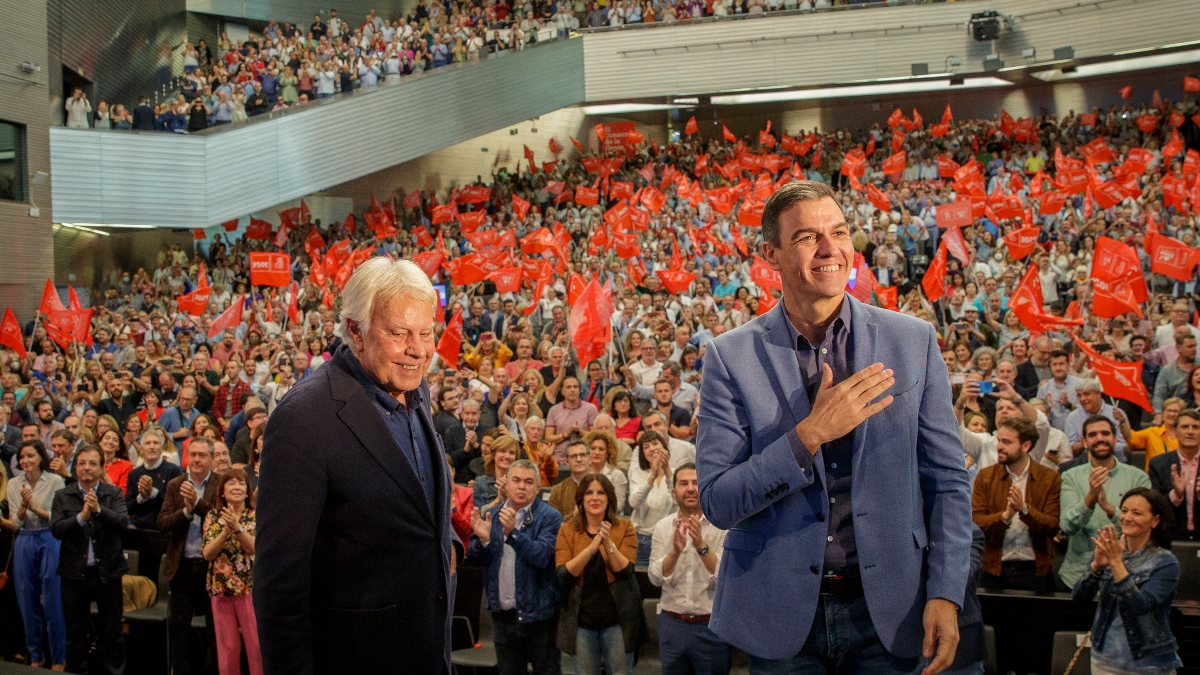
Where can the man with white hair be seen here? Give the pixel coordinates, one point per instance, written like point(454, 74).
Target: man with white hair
point(1091, 402)
point(354, 494)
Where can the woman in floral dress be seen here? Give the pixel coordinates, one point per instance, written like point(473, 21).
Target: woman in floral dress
point(229, 548)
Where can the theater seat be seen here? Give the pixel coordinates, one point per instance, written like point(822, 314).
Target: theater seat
point(1065, 644)
point(481, 656)
point(156, 613)
point(1188, 553)
point(1138, 458)
point(989, 662)
point(650, 610)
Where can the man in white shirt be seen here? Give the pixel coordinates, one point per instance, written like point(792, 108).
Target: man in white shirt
point(685, 555)
point(1165, 335)
point(1059, 391)
point(681, 451)
point(981, 447)
point(647, 369)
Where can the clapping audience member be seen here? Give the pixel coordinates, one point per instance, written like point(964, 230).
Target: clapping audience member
point(228, 546)
point(684, 557)
point(650, 491)
point(594, 553)
point(1174, 474)
point(514, 539)
point(1135, 575)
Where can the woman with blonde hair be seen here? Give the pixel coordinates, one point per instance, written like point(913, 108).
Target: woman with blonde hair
point(604, 462)
point(540, 452)
point(491, 348)
point(489, 487)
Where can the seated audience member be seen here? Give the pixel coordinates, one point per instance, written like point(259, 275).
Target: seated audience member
point(146, 486)
point(1155, 440)
point(601, 614)
point(88, 517)
point(489, 486)
point(604, 462)
point(649, 491)
point(35, 556)
point(1174, 474)
point(562, 495)
point(625, 418)
point(514, 539)
point(462, 442)
point(188, 499)
point(573, 415)
point(1091, 403)
point(477, 465)
point(681, 451)
point(1135, 575)
point(228, 547)
point(684, 558)
point(980, 446)
point(604, 424)
point(1089, 492)
point(1015, 503)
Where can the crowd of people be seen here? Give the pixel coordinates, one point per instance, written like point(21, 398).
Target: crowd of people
point(1045, 286)
point(289, 65)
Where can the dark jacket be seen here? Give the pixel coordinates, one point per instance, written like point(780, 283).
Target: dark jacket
point(103, 529)
point(1143, 599)
point(456, 444)
point(145, 514)
point(173, 523)
point(352, 565)
point(534, 571)
point(1026, 383)
point(972, 642)
point(1160, 479)
point(143, 118)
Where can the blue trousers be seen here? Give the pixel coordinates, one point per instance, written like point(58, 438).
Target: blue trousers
point(39, 593)
point(643, 554)
point(842, 641)
point(608, 645)
point(690, 647)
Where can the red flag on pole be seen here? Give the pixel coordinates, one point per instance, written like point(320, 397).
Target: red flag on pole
point(230, 318)
point(691, 127)
point(763, 276)
point(50, 299)
point(450, 344)
point(1118, 379)
point(728, 134)
point(1020, 243)
point(258, 229)
point(293, 310)
point(590, 321)
point(934, 281)
point(10, 333)
point(73, 299)
point(270, 269)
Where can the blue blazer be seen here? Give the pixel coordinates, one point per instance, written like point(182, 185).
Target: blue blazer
point(911, 497)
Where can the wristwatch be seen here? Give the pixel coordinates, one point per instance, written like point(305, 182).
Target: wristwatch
point(1025, 510)
point(703, 551)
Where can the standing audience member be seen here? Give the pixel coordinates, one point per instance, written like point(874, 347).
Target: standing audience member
point(1135, 574)
point(650, 494)
point(35, 556)
point(146, 486)
point(229, 550)
point(1088, 494)
point(601, 614)
point(515, 539)
point(1174, 474)
point(1015, 503)
point(189, 498)
point(684, 559)
point(573, 415)
point(88, 518)
point(562, 495)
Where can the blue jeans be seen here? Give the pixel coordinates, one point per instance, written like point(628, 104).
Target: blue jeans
point(643, 556)
point(842, 641)
point(520, 645)
point(39, 593)
point(690, 647)
point(592, 646)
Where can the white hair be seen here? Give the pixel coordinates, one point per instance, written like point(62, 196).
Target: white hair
point(1090, 384)
point(379, 280)
point(470, 404)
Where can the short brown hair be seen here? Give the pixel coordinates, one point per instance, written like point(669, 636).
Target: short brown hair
point(792, 193)
point(1026, 430)
point(222, 479)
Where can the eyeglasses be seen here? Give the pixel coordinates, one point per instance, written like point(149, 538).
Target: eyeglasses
point(577, 455)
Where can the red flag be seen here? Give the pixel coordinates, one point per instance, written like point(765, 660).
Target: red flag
point(555, 148)
point(954, 214)
point(529, 158)
point(956, 245)
point(589, 322)
point(578, 146)
point(442, 213)
point(625, 245)
point(895, 118)
point(230, 225)
point(750, 213)
point(450, 344)
point(763, 276)
point(198, 234)
point(313, 244)
point(429, 262)
point(507, 280)
point(1119, 379)
point(258, 229)
point(878, 199)
point(946, 167)
point(59, 336)
point(412, 200)
point(636, 270)
point(1126, 91)
point(1022, 242)
point(1098, 152)
point(293, 310)
point(895, 163)
point(862, 282)
point(691, 127)
point(1191, 84)
point(50, 300)
point(1147, 123)
point(934, 281)
point(586, 196)
point(898, 135)
point(73, 299)
point(728, 134)
point(1174, 258)
point(1173, 146)
point(270, 269)
point(766, 302)
point(10, 333)
point(520, 207)
point(888, 296)
point(675, 281)
point(1051, 203)
point(230, 318)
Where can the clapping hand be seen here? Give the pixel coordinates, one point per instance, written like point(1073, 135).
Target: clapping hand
point(1108, 547)
point(482, 527)
point(508, 520)
point(693, 529)
point(26, 496)
point(90, 505)
point(187, 492)
point(601, 536)
point(230, 520)
point(679, 537)
point(145, 486)
point(1016, 502)
point(501, 488)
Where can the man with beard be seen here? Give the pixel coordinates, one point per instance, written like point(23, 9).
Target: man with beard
point(1015, 503)
point(983, 447)
point(1090, 493)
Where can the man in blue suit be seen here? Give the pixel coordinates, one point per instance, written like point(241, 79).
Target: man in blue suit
point(829, 450)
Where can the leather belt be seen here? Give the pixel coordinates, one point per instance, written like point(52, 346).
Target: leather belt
point(688, 618)
point(850, 584)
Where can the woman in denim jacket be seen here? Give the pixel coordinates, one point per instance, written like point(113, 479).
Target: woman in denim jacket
point(1135, 575)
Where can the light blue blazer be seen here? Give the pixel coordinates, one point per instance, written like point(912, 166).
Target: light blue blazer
point(911, 497)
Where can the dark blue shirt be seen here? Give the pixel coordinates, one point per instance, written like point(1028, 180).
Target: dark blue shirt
point(403, 422)
point(841, 553)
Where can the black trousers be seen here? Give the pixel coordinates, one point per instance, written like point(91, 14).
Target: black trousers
point(77, 598)
point(1019, 575)
point(520, 645)
point(189, 597)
